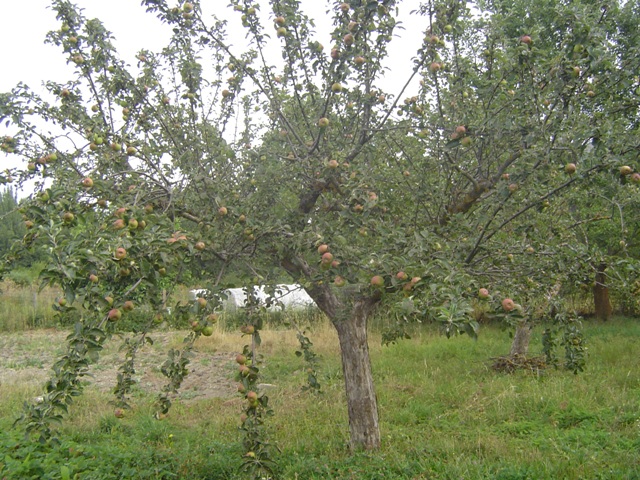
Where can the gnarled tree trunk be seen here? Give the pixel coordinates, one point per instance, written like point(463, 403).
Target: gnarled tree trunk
point(521, 339)
point(358, 379)
point(601, 301)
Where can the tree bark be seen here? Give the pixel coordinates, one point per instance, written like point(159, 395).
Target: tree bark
point(358, 379)
point(520, 344)
point(601, 302)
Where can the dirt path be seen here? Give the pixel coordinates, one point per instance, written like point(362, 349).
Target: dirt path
point(26, 359)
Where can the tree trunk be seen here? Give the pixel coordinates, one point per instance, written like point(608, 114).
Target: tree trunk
point(601, 301)
point(520, 344)
point(358, 379)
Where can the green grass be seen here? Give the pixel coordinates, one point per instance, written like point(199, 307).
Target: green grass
point(445, 414)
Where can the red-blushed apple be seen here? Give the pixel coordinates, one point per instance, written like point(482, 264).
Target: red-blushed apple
point(252, 396)
point(526, 39)
point(508, 305)
point(461, 129)
point(402, 276)
point(241, 359)
point(222, 211)
point(322, 249)
point(244, 370)
point(248, 329)
point(93, 278)
point(483, 293)
point(279, 20)
point(570, 168)
point(635, 178)
point(377, 281)
point(62, 302)
point(327, 257)
point(435, 67)
point(352, 26)
point(348, 39)
point(119, 224)
point(121, 253)
point(128, 306)
point(202, 302)
point(118, 413)
point(505, 176)
point(114, 315)
point(241, 388)
point(339, 281)
point(335, 53)
point(345, 7)
point(415, 280)
point(87, 183)
point(120, 212)
point(212, 318)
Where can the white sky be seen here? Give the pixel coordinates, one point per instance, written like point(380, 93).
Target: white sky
point(26, 58)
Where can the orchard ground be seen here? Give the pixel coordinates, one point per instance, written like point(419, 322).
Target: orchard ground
point(444, 412)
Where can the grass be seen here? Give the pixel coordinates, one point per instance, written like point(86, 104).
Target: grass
point(444, 414)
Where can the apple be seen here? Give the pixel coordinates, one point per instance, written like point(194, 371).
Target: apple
point(352, 26)
point(131, 151)
point(78, 59)
point(335, 53)
point(121, 253)
point(402, 276)
point(202, 302)
point(116, 147)
point(222, 211)
point(333, 164)
point(625, 170)
point(187, 7)
point(31, 166)
point(505, 176)
point(433, 39)
point(465, 142)
point(345, 7)
point(575, 71)
point(68, 217)
point(241, 359)
point(109, 300)
point(62, 302)
point(526, 39)
point(327, 257)
point(128, 306)
point(531, 250)
point(118, 413)
point(93, 278)
point(207, 331)
point(119, 224)
point(461, 129)
point(591, 93)
point(513, 187)
point(322, 249)
point(348, 39)
point(448, 28)
point(114, 315)
point(435, 67)
point(339, 281)
point(570, 168)
point(133, 224)
point(281, 32)
point(406, 173)
point(483, 293)
point(415, 280)
point(377, 281)
point(635, 178)
point(280, 20)
point(29, 224)
point(323, 122)
point(336, 88)
point(359, 60)
point(252, 396)
point(248, 329)
point(508, 305)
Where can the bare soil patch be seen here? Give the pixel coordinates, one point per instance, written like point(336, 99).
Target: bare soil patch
point(26, 358)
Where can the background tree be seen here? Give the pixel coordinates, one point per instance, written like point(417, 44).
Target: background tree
point(309, 168)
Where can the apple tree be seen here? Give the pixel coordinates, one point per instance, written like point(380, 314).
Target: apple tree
point(406, 197)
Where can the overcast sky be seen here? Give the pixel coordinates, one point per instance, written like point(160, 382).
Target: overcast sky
point(24, 25)
point(26, 58)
